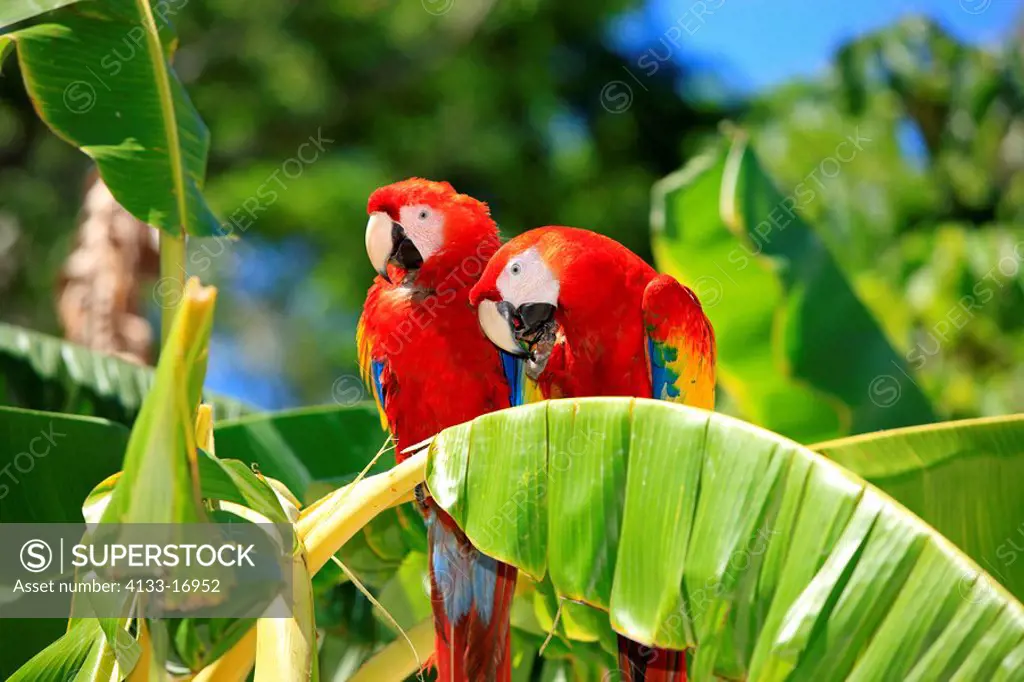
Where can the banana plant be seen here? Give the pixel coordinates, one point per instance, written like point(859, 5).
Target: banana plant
point(961, 477)
point(99, 74)
point(763, 558)
point(695, 530)
point(919, 467)
point(42, 372)
point(159, 485)
point(782, 308)
point(168, 477)
point(698, 531)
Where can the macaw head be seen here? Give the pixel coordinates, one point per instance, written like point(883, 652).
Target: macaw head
point(518, 294)
point(545, 285)
point(421, 232)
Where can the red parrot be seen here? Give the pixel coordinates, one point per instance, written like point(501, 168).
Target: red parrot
point(589, 317)
point(429, 367)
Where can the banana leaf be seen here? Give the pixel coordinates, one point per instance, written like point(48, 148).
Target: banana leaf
point(50, 462)
point(83, 653)
point(962, 477)
point(696, 530)
point(312, 450)
point(160, 479)
point(721, 227)
point(160, 483)
point(43, 372)
point(99, 76)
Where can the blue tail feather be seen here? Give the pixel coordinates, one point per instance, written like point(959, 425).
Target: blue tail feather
point(465, 577)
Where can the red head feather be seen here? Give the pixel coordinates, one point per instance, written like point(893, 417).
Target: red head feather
point(468, 235)
point(584, 262)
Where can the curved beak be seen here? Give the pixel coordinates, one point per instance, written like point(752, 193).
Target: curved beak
point(387, 242)
point(498, 327)
point(514, 329)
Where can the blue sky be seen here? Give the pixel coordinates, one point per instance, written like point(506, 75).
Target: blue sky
point(761, 43)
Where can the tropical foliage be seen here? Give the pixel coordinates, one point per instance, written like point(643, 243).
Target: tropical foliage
point(798, 541)
point(388, 94)
point(699, 531)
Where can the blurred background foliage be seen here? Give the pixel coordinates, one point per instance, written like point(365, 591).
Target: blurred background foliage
point(544, 111)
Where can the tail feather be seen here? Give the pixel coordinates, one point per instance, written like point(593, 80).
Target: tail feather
point(488, 655)
point(471, 596)
point(639, 663)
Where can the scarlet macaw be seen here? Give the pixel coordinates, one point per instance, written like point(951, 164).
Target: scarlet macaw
point(429, 367)
point(589, 317)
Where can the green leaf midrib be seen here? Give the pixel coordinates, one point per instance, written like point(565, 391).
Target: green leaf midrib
point(160, 65)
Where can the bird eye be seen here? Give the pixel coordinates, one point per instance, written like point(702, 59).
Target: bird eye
point(424, 215)
point(516, 268)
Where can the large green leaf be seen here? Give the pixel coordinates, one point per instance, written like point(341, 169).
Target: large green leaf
point(797, 350)
point(962, 477)
point(99, 76)
point(83, 653)
point(311, 450)
point(51, 462)
point(772, 561)
point(46, 373)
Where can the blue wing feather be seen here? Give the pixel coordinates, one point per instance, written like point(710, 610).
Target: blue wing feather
point(376, 370)
point(663, 379)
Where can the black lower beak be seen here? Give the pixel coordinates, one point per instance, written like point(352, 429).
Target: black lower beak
point(404, 253)
point(528, 320)
point(535, 316)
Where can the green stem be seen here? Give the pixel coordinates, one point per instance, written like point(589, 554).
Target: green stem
point(172, 280)
point(172, 247)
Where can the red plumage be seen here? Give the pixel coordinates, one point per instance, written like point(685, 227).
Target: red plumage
point(436, 370)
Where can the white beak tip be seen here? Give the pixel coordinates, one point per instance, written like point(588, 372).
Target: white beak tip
point(378, 242)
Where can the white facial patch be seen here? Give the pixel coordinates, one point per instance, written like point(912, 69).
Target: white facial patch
point(527, 279)
point(424, 225)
